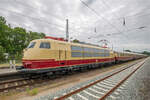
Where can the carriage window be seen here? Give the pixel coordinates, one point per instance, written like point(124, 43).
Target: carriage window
point(31, 45)
point(45, 45)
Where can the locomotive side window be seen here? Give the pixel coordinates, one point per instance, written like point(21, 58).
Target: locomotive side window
point(76, 48)
point(31, 45)
point(96, 55)
point(101, 50)
point(76, 54)
point(76, 51)
point(88, 49)
point(96, 50)
point(45, 45)
point(87, 54)
point(107, 55)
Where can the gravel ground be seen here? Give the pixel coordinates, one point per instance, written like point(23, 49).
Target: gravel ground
point(5, 71)
point(64, 91)
point(62, 83)
point(137, 87)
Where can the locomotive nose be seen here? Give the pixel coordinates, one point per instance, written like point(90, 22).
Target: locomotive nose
point(30, 54)
point(27, 64)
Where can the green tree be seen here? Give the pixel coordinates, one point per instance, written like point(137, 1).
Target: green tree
point(2, 20)
point(128, 50)
point(5, 35)
point(146, 52)
point(2, 51)
point(18, 39)
point(76, 41)
point(34, 35)
point(14, 40)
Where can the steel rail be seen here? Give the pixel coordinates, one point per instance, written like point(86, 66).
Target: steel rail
point(37, 81)
point(121, 82)
point(12, 81)
point(89, 85)
point(28, 82)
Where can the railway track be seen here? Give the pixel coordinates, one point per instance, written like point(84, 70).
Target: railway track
point(16, 81)
point(10, 76)
point(14, 84)
point(105, 88)
point(20, 83)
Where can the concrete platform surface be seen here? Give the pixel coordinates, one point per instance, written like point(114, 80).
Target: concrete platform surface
point(5, 71)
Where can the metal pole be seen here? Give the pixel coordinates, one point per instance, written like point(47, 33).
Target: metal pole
point(67, 32)
point(112, 47)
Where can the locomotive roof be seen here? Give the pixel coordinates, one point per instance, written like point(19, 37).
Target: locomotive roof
point(71, 43)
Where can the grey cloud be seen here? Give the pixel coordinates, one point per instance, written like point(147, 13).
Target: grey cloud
point(49, 16)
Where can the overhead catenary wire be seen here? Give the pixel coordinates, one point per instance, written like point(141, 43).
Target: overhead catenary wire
point(128, 16)
point(137, 14)
point(102, 18)
point(108, 6)
point(93, 10)
point(30, 7)
point(134, 15)
point(124, 18)
point(129, 30)
point(63, 27)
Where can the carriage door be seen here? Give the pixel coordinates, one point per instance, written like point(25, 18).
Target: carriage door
point(62, 54)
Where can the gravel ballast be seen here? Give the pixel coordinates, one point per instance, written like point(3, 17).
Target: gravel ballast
point(122, 95)
point(137, 87)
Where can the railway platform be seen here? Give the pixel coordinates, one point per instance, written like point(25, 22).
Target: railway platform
point(7, 71)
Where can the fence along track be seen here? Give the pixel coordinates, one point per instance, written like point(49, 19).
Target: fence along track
point(102, 88)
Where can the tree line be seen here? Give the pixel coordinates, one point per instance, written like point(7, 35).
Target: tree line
point(146, 53)
point(14, 39)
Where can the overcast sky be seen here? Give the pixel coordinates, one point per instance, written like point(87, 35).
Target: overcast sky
point(107, 16)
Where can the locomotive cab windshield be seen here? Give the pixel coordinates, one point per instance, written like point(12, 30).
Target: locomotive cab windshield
point(31, 45)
